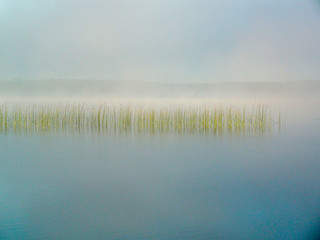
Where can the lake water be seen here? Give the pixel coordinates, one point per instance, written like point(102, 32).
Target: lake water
point(164, 186)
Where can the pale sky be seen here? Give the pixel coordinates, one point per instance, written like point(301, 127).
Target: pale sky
point(162, 41)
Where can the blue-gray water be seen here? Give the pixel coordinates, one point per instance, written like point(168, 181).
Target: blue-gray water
point(163, 187)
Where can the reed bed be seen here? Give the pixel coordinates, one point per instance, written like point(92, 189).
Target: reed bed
point(105, 118)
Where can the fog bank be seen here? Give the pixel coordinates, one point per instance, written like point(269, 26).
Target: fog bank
point(117, 89)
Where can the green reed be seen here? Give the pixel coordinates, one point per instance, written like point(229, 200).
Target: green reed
point(104, 118)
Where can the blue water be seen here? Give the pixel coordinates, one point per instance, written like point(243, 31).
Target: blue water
point(162, 186)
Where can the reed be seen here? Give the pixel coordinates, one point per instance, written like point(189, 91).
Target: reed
point(105, 118)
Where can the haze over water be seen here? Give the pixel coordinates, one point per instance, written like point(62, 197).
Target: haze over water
point(79, 78)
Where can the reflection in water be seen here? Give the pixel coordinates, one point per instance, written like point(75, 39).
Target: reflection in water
point(105, 118)
point(158, 187)
point(161, 186)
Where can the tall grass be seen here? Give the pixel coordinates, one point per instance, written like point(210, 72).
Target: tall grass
point(128, 118)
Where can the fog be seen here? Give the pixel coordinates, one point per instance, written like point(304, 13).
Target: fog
point(91, 89)
point(160, 41)
point(163, 119)
point(224, 51)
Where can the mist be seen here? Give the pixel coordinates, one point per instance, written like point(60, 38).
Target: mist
point(166, 42)
point(90, 89)
point(147, 119)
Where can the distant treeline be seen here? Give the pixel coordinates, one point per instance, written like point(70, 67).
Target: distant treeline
point(95, 88)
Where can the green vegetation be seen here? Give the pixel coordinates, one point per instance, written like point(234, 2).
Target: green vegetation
point(106, 118)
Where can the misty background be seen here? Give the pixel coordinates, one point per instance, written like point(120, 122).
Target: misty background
point(165, 41)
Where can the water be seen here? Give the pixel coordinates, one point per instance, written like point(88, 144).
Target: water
point(166, 186)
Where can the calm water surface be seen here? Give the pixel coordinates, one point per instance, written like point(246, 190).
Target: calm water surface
point(163, 186)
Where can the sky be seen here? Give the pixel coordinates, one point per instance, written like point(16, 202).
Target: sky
point(172, 41)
